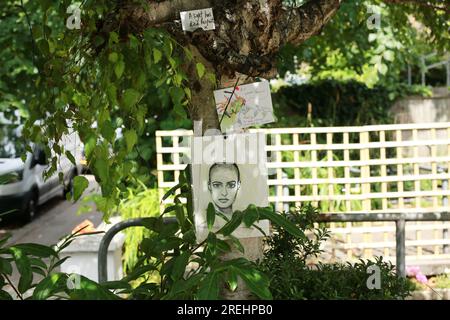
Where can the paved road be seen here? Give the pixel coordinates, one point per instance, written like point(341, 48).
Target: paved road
point(55, 219)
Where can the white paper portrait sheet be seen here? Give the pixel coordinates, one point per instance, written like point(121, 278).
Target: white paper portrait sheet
point(229, 183)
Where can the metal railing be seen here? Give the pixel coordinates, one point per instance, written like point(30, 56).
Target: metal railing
point(107, 238)
point(400, 220)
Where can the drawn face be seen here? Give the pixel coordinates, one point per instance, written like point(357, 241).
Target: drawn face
point(223, 185)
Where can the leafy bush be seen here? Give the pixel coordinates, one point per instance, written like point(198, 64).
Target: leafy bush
point(286, 263)
point(337, 103)
point(39, 280)
point(140, 202)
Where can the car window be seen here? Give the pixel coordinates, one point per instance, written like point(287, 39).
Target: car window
point(11, 143)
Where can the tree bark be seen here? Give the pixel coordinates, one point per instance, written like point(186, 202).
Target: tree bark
point(202, 106)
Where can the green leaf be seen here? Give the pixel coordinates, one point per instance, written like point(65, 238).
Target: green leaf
point(91, 290)
point(256, 281)
point(209, 288)
point(211, 77)
point(37, 250)
point(177, 94)
point(157, 55)
point(71, 157)
point(250, 215)
point(43, 47)
point(119, 68)
point(101, 165)
point(170, 209)
point(179, 213)
point(138, 272)
point(130, 98)
point(167, 242)
point(113, 38)
point(179, 111)
point(233, 224)
point(5, 266)
point(4, 239)
point(189, 236)
point(107, 130)
point(59, 262)
point(200, 69)
point(232, 278)
point(45, 4)
point(167, 267)
point(153, 224)
point(179, 266)
point(237, 243)
point(89, 147)
point(388, 55)
point(268, 213)
point(172, 191)
point(38, 262)
point(210, 216)
point(5, 295)
point(80, 183)
point(113, 57)
point(38, 270)
point(24, 267)
point(111, 91)
point(382, 68)
point(211, 243)
point(130, 139)
point(181, 285)
point(116, 285)
point(223, 245)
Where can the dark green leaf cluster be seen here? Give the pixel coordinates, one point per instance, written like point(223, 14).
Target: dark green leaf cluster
point(287, 258)
point(39, 279)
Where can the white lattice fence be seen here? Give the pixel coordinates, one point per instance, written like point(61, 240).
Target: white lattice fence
point(387, 168)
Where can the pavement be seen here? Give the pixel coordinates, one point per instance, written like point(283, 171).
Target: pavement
point(55, 220)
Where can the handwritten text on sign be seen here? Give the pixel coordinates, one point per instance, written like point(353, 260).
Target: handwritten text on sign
point(192, 20)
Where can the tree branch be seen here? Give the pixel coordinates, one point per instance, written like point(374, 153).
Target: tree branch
point(435, 5)
point(156, 13)
point(297, 25)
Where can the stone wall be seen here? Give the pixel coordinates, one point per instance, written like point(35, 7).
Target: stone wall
point(417, 109)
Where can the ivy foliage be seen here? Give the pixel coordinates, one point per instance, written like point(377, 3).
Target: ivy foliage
point(372, 42)
point(109, 87)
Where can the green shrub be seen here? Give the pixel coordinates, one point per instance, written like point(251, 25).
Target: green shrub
point(286, 263)
point(140, 202)
point(39, 280)
point(337, 103)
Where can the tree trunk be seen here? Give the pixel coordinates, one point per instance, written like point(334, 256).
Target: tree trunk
point(203, 108)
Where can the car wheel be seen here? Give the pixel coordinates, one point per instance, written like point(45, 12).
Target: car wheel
point(30, 210)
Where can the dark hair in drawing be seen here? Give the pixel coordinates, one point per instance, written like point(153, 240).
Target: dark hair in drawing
point(233, 165)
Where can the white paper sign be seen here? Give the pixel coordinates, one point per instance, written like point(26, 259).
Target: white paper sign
point(226, 176)
point(250, 104)
point(192, 20)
